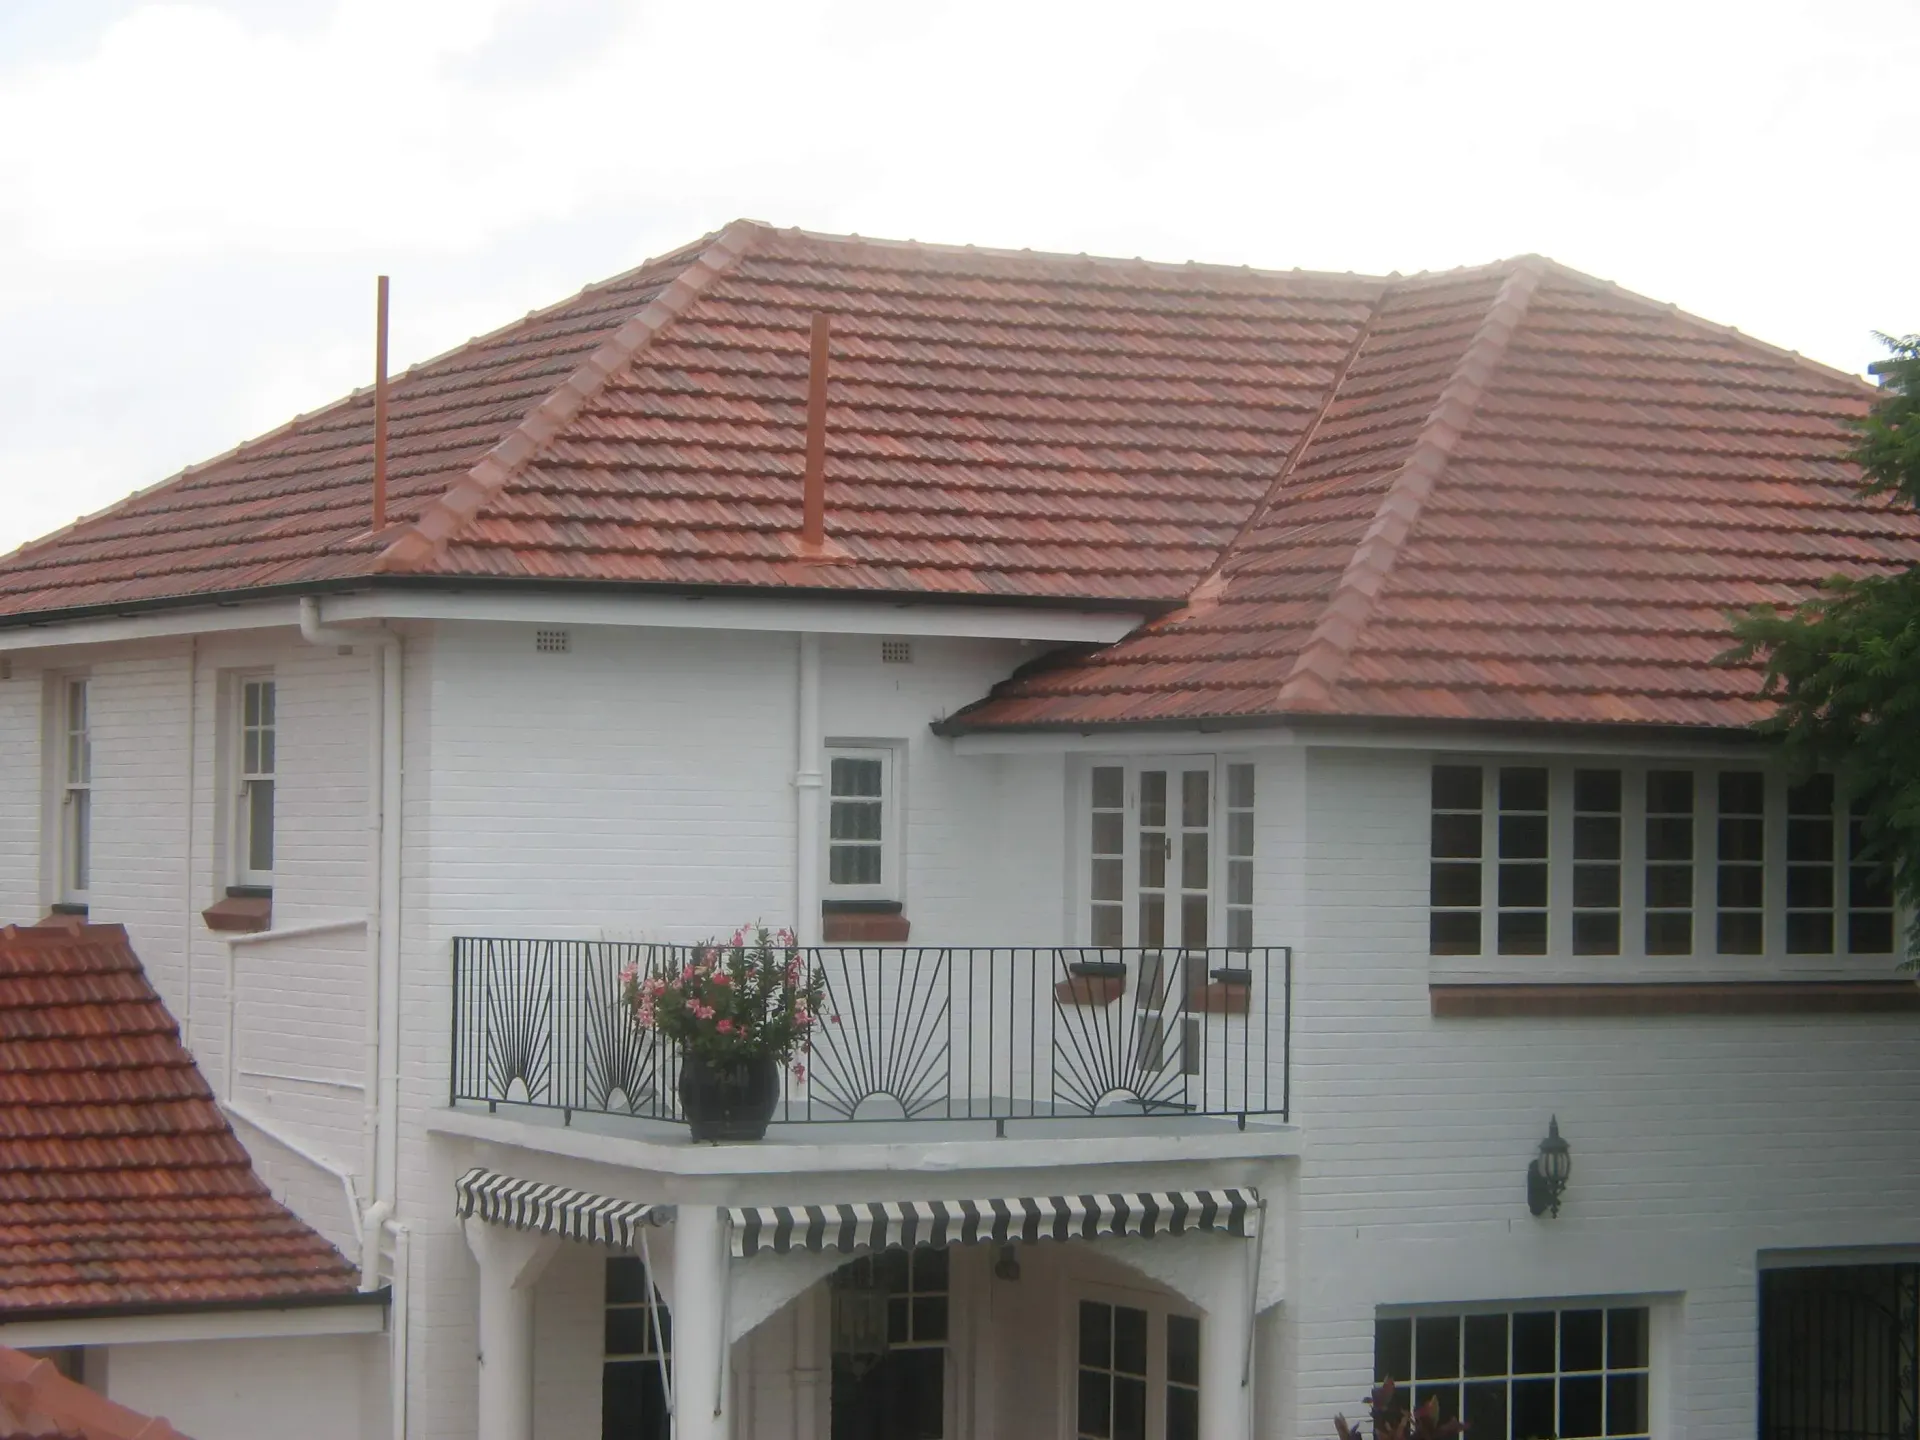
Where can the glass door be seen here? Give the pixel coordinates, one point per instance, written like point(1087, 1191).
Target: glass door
point(1137, 1375)
point(1173, 901)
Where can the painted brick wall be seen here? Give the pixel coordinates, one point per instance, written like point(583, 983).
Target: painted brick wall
point(1697, 1142)
point(313, 1387)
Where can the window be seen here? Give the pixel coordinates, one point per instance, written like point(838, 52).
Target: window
point(899, 1392)
point(1138, 1372)
point(1170, 853)
point(1669, 864)
point(1523, 860)
point(1742, 881)
point(254, 783)
point(1723, 862)
point(76, 794)
point(1458, 841)
point(638, 1341)
point(861, 825)
point(1512, 1375)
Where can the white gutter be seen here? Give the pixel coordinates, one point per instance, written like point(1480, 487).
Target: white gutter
point(806, 790)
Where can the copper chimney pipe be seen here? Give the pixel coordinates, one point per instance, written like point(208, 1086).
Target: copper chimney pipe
point(380, 407)
point(813, 521)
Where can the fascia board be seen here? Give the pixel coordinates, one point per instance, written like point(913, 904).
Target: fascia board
point(822, 617)
point(350, 1319)
point(165, 624)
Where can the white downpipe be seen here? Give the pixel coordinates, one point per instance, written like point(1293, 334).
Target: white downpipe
point(254, 1120)
point(398, 1339)
point(393, 731)
point(187, 931)
point(806, 789)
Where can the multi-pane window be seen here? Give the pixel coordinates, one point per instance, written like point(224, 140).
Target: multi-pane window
point(1588, 860)
point(1596, 862)
point(1869, 894)
point(1523, 875)
point(859, 824)
point(1669, 862)
point(1239, 906)
point(257, 757)
point(1458, 840)
point(1570, 1373)
point(637, 1353)
point(76, 794)
point(1108, 847)
point(1741, 882)
point(1138, 1374)
point(900, 1391)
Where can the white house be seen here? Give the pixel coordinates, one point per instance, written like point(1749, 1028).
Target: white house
point(1247, 747)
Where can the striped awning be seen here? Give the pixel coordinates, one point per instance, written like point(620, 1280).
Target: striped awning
point(553, 1209)
point(878, 1225)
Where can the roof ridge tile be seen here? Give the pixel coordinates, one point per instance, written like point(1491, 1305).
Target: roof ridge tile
point(1316, 669)
point(441, 520)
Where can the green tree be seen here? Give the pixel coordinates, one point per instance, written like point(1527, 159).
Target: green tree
point(1845, 665)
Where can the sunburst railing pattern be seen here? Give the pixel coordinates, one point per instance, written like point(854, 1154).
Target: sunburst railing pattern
point(917, 1033)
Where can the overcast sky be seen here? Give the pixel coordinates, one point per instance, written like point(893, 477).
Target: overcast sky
point(195, 197)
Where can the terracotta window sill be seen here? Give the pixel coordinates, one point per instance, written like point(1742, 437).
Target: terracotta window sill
point(863, 922)
point(244, 914)
point(1805, 997)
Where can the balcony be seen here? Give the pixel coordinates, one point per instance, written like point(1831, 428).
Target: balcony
point(949, 1035)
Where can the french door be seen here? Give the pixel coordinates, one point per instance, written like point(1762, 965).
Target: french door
point(1136, 1371)
point(1151, 853)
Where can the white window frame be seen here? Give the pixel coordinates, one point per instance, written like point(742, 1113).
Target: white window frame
point(73, 828)
point(892, 817)
point(1705, 962)
point(239, 834)
point(1159, 1306)
point(1219, 868)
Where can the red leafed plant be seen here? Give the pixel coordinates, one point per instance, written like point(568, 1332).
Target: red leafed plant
point(1393, 1421)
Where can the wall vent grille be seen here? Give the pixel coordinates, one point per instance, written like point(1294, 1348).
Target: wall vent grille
point(896, 652)
point(553, 642)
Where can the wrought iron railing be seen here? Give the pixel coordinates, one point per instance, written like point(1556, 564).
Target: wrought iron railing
point(923, 1032)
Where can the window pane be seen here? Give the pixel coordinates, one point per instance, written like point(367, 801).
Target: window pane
point(1096, 1332)
point(628, 1332)
point(80, 857)
point(1626, 1338)
point(1670, 933)
point(1743, 840)
point(854, 865)
point(1109, 832)
point(1741, 887)
point(1129, 1408)
point(1523, 932)
point(1486, 1345)
point(1740, 933)
point(1455, 884)
point(1454, 932)
point(1523, 788)
point(1811, 797)
point(1810, 887)
point(1456, 836)
point(1193, 861)
point(1580, 1401)
point(1393, 1350)
point(1809, 839)
point(1627, 1405)
point(1533, 1345)
point(1107, 880)
point(1486, 1410)
point(1194, 785)
point(854, 820)
point(1582, 1340)
point(1193, 921)
point(1129, 1340)
point(1533, 1410)
point(1742, 792)
point(1096, 1405)
point(1596, 837)
point(1597, 933)
point(1670, 887)
point(1670, 792)
point(1153, 797)
point(1153, 861)
point(1183, 1350)
point(1240, 787)
point(1240, 882)
point(1870, 934)
point(260, 825)
point(1436, 1347)
point(1153, 920)
point(1239, 930)
point(1240, 833)
point(1183, 1414)
point(856, 777)
point(1596, 790)
point(1670, 838)
point(929, 1318)
point(1596, 887)
point(1107, 926)
point(1523, 885)
point(1109, 787)
point(1456, 787)
point(1523, 837)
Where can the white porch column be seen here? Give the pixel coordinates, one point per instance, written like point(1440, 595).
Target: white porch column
point(510, 1265)
point(701, 1405)
point(1224, 1402)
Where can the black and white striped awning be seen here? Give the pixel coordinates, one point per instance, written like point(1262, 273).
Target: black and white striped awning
point(553, 1209)
point(880, 1224)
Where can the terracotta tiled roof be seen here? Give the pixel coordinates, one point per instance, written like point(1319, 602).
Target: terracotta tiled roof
point(1532, 497)
point(37, 1402)
point(120, 1181)
point(1507, 493)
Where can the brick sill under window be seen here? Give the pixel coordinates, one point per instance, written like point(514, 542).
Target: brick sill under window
point(863, 922)
point(246, 910)
point(1584, 999)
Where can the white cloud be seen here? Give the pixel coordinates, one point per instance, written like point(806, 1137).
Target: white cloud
point(193, 203)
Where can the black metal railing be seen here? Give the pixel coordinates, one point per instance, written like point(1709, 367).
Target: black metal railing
point(923, 1032)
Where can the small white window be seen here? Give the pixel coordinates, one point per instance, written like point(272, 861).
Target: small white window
point(254, 782)
point(76, 794)
point(862, 825)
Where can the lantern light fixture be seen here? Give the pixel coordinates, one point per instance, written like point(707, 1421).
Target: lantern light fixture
point(1548, 1173)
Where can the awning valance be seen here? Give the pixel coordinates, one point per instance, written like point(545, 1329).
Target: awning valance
point(553, 1209)
point(878, 1225)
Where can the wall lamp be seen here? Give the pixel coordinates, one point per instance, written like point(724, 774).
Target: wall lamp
point(1548, 1173)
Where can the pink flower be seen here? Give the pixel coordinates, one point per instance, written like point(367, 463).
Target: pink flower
point(834, 1018)
point(723, 978)
point(799, 1071)
point(725, 1027)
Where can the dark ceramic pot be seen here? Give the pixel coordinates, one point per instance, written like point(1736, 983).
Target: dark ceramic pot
point(732, 1100)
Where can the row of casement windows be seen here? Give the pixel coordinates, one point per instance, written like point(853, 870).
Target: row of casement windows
point(1603, 860)
point(254, 728)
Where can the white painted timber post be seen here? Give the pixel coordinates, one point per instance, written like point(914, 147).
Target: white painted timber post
point(1224, 1399)
point(510, 1265)
point(701, 1405)
point(807, 784)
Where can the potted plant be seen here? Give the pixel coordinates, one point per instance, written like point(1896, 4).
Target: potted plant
point(738, 1010)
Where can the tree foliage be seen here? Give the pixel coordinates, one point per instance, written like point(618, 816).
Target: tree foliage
point(1845, 665)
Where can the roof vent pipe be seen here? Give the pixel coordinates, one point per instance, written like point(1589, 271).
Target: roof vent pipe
point(380, 406)
point(813, 520)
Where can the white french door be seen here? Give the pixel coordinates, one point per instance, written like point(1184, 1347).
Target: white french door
point(1136, 1373)
point(1150, 853)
